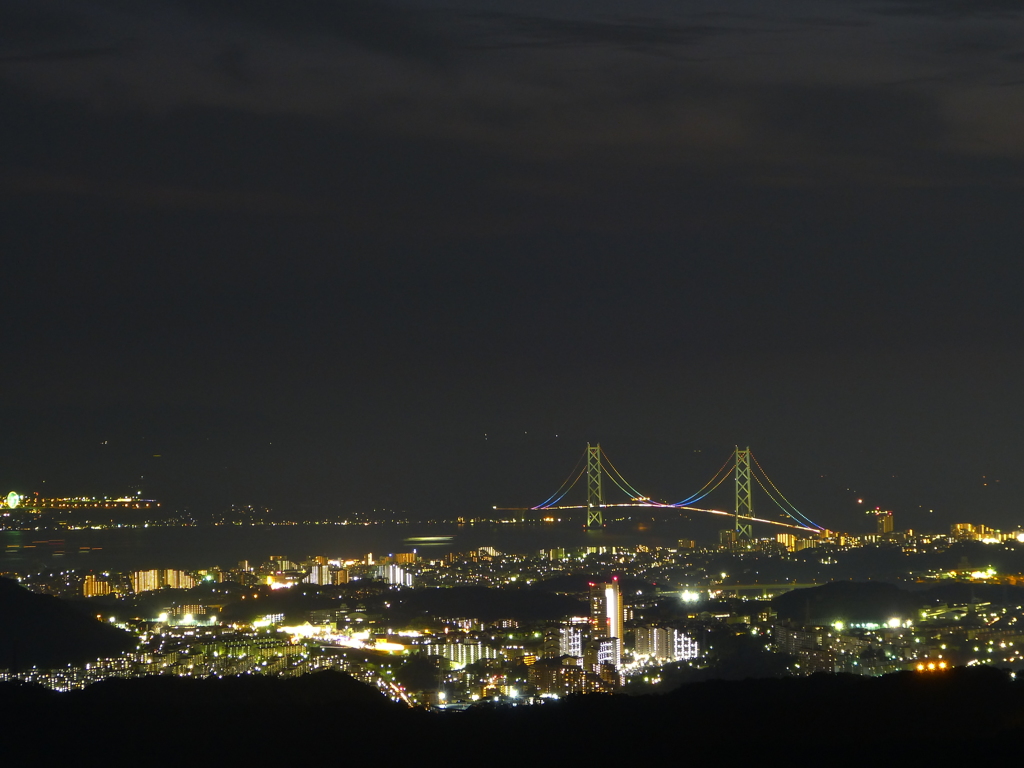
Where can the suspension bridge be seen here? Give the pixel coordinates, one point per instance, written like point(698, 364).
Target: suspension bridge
point(742, 466)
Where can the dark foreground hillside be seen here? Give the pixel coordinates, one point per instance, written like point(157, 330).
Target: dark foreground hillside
point(329, 716)
point(42, 631)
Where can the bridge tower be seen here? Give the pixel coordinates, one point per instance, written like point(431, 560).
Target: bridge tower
point(744, 507)
point(595, 491)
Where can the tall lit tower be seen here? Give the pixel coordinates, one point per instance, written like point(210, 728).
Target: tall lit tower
point(607, 615)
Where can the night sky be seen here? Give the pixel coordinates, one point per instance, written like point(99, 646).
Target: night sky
point(349, 254)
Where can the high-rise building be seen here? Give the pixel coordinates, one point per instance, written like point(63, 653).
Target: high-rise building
point(606, 614)
point(461, 654)
point(565, 678)
point(179, 579)
point(665, 644)
point(93, 587)
point(598, 614)
point(566, 640)
point(570, 641)
point(883, 520)
point(395, 575)
point(684, 647)
point(653, 641)
point(319, 574)
point(601, 651)
point(144, 581)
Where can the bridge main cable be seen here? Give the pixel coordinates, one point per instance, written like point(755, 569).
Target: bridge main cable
point(565, 487)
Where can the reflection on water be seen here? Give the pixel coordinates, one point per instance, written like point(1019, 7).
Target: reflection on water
point(203, 547)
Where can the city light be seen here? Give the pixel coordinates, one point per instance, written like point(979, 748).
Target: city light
point(346, 608)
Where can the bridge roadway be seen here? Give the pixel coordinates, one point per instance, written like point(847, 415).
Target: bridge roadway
point(657, 506)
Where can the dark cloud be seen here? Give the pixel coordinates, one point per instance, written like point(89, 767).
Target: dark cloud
point(506, 30)
point(434, 37)
point(434, 34)
point(27, 22)
point(878, 123)
point(949, 8)
point(65, 55)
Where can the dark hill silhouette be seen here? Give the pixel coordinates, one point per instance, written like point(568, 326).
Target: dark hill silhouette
point(944, 718)
point(43, 631)
point(258, 693)
point(486, 604)
point(848, 601)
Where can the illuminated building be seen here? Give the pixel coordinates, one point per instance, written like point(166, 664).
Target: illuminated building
point(665, 644)
point(188, 610)
point(978, 532)
point(145, 581)
point(604, 650)
point(279, 564)
point(684, 647)
point(404, 558)
point(395, 575)
point(650, 641)
point(565, 641)
point(962, 531)
point(179, 579)
point(319, 574)
point(883, 520)
point(564, 677)
point(606, 613)
point(93, 587)
point(461, 654)
point(570, 641)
